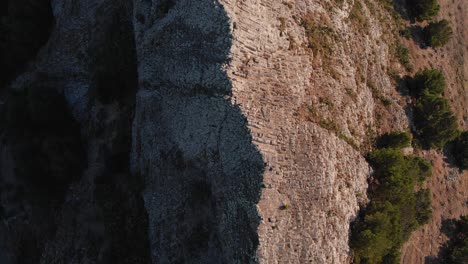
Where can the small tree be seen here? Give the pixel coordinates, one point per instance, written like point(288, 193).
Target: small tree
point(437, 34)
point(423, 9)
point(419, 168)
point(394, 140)
point(435, 122)
point(430, 81)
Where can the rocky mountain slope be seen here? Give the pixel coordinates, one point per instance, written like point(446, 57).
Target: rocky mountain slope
point(188, 131)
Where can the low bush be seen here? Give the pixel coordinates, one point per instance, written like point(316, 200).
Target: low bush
point(437, 34)
point(434, 121)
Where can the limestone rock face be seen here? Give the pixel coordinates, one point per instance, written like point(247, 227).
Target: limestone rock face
point(188, 136)
point(190, 143)
point(211, 131)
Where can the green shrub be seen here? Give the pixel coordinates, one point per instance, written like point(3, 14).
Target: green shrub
point(435, 123)
point(395, 209)
point(377, 234)
point(419, 168)
point(437, 34)
point(406, 33)
point(423, 9)
point(460, 150)
point(394, 140)
point(430, 81)
point(386, 162)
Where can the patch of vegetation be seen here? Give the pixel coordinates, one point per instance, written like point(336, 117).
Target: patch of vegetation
point(319, 37)
point(423, 9)
point(356, 14)
point(427, 81)
point(326, 101)
point(395, 209)
point(349, 140)
point(437, 34)
point(434, 121)
point(420, 167)
point(423, 206)
point(394, 140)
point(406, 33)
point(460, 150)
point(376, 93)
point(402, 53)
point(329, 124)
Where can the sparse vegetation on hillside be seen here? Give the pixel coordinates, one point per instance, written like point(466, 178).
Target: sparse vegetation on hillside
point(437, 34)
point(402, 54)
point(395, 209)
point(319, 36)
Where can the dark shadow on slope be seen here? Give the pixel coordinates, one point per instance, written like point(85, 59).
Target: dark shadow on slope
point(417, 34)
point(402, 9)
point(203, 173)
point(404, 85)
point(24, 28)
point(455, 250)
point(50, 213)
